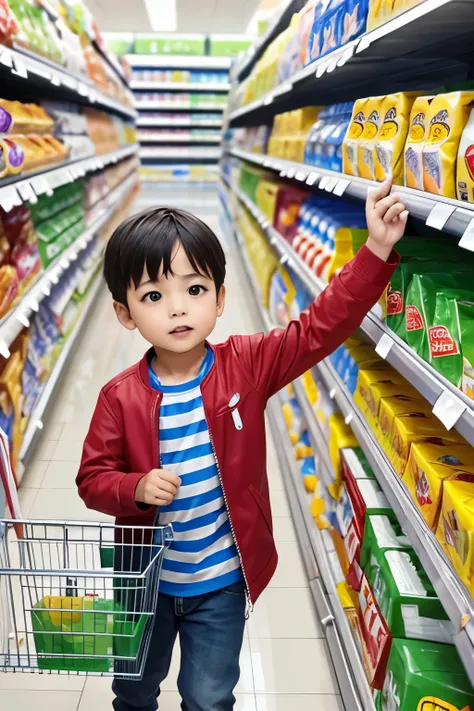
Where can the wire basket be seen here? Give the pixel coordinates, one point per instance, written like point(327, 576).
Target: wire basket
point(78, 597)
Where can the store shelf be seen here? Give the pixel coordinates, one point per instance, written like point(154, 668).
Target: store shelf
point(350, 674)
point(452, 407)
point(23, 187)
point(169, 152)
point(112, 61)
point(280, 22)
point(172, 138)
point(173, 106)
point(452, 216)
point(18, 317)
point(427, 45)
point(35, 423)
point(170, 61)
point(182, 86)
point(454, 596)
point(18, 66)
point(144, 121)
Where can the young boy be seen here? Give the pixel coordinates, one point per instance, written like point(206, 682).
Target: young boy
point(183, 432)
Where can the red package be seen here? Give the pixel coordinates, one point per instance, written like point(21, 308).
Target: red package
point(8, 25)
point(375, 634)
point(287, 210)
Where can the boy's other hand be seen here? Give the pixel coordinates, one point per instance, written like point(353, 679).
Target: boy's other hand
point(386, 219)
point(157, 488)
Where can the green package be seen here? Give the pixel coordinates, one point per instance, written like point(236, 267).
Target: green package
point(228, 45)
point(451, 340)
point(421, 676)
point(170, 44)
point(405, 595)
point(381, 534)
point(421, 302)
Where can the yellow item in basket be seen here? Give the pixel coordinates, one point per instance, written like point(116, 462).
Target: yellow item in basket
point(350, 146)
point(455, 529)
point(417, 135)
point(366, 154)
point(429, 465)
point(389, 148)
point(449, 114)
point(62, 609)
point(340, 437)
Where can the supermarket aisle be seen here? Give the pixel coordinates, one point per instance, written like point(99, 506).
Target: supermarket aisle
point(284, 660)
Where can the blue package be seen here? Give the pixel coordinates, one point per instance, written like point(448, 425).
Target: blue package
point(353, 20)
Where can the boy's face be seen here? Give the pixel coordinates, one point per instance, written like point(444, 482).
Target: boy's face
point(176, 313)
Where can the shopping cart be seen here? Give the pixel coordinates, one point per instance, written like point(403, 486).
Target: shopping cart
point(78, 597)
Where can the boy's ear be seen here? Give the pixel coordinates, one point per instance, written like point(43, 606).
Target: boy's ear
point(221, 301)
point(123, 315)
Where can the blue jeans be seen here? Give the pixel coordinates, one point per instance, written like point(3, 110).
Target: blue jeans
point(211, 630)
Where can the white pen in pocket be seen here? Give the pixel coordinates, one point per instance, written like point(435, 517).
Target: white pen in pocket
point(233, 402)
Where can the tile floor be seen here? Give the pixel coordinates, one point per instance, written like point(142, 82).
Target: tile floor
point(285, 663)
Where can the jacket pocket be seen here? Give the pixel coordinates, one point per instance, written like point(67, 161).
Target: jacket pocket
point(264, 506)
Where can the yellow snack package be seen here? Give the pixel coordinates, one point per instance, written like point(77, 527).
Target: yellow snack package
point(429, 465)
point(449, 114)
point(417, 135)
point(350, 146)
point(340, 437)
point(465, 163)
point(368, 139)
point(389, 148)
point(367, 378)
point(380, 11)
point(392, 407)
point(455, 529)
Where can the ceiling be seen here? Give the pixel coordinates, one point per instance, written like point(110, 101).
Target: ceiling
point(194, 16)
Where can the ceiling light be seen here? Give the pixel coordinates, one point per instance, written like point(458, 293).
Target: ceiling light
point(162, 15)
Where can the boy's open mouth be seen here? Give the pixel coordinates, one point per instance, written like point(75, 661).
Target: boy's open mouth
point(180, 330)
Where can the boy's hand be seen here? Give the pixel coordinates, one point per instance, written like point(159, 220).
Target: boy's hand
point(157, 488)
point(386, 220)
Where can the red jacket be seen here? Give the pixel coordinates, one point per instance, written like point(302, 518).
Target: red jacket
point(123, 442)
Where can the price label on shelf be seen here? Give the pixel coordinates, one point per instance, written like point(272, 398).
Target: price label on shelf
point(321, 70)
point(4, 349)
point(467, 240)
point(324, 181)
point(9, 198)
point(331, 184)
point(348, 419)
point(347, 54)
point(25, 190)
point(22, 318)
point(341, 187)
point(6, 58)
point(439, 215)
point(40, 185)
point(312, 178)
point(448, 409)
point(55, 81)
point(19, 68)
point(268, 100)
point(82, 89)
point(364, 43)
point(291, 173)
point(301, 176)
point(384, 346)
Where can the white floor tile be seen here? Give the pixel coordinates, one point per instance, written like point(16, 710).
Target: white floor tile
point(60, 475)
point(290, 572)
point(27, 498)
point(44, 450)
point(283, 530)
point(291, 666)
point(285, 613)
point(34, 474)
point(280, 506)
point(32, 700)
point(67, 451)
point(41, 682)
point(63, 504)
point(299, 702)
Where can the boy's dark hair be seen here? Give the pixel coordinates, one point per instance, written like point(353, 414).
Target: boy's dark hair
point(147, 240)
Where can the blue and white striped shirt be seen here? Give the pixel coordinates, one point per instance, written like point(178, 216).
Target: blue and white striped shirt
point(202, 557)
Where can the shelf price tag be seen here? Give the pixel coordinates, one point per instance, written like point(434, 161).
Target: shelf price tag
point(341, 187)
point(291, 173)
point(312, 178)
point(6, 59)
point(324, 181)
point(300, 176)
point(448, 409)
point(467, 240)
point(439, 215)
point(348, 419)
point(331, 184)
point(26, 191)
point(4, 349)
point(55, 79)
point(321, 69)
point(268, 100)
point(19, 68)
point(348, 54)
point(9, 198)
point(39, 185)
point(365, 42)
point(384, 346)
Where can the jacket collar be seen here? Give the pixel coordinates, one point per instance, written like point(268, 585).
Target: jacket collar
point(150, 354)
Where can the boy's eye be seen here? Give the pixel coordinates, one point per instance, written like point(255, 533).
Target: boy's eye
point(196, 290)
point(153, 296)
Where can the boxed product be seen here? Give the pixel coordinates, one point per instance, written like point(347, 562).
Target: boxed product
point(421, 676)
point(429, 466)
point(455, 529)
point(373, 383)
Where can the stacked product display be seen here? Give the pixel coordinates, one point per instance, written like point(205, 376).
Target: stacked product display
point(68, 174)
point(377, 441)
point(180, 82)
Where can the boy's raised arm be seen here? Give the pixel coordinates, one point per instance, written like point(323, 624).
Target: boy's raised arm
point(282, 355)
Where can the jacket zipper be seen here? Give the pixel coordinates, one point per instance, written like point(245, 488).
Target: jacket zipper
point(247, 588)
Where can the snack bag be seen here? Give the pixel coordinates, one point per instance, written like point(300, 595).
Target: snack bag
point(389, 148)
point(353, 20)
point(450, 335)
point(376, 636)
point(421, 304)
point(417, 135)
point(368, 139)
point(350, 146)
point(429, 465)
point(448, 116)
point(465, 163)
point(455, 529)
point(424, 676)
